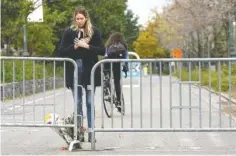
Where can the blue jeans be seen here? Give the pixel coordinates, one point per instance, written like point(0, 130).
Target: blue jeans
point(79, 63)
point(80, 106)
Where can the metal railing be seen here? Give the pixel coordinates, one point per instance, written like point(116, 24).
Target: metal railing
point(25, 84)
point(186, 97)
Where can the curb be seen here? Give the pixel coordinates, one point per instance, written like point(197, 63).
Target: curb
point(225, 96)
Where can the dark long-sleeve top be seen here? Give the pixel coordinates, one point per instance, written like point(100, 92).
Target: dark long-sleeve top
point(89, 56)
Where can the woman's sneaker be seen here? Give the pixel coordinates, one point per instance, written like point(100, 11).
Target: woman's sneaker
point(90, 137)
point(118, 106)
point(80, 134)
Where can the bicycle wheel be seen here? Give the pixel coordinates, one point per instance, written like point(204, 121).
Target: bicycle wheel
point(107, 100)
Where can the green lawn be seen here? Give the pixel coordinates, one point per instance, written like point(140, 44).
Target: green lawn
point(215, 78)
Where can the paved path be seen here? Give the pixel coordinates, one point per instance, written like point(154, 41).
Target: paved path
point(45, 141)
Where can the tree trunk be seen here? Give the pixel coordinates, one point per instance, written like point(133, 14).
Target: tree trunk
point(199, 44)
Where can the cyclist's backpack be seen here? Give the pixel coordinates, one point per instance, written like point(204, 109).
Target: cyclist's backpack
point(116, 50)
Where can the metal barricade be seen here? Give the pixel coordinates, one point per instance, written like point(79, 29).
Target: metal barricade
point(131, 53)
point(180, 95)
point(27, 82)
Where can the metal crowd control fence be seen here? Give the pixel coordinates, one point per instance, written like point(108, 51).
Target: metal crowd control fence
point(132, 71)
point(26, 83)
point(134, 54)
point(186, 95)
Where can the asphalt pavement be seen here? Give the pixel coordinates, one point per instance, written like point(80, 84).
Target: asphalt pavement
point(153, 105)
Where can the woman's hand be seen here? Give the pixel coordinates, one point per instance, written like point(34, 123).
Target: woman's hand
point(76, 45)
point(81, 43)
point(87, 39)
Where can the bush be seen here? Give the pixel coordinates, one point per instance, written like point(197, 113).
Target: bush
point(7, 70)
point(224, 75)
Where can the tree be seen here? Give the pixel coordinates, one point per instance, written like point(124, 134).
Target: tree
point(14, 15)
point(165, 31)
point(203, 25)
point(131, 28)
point(41, 37)
point(107, 16)
point(148, 46)
point(154, 38)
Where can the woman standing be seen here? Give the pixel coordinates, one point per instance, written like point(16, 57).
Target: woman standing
point(83, 43)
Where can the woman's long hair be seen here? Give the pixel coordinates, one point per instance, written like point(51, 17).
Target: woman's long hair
point(116, 37)
point(88, 28)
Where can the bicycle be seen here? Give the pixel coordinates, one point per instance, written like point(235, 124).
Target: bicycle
point(108, 98)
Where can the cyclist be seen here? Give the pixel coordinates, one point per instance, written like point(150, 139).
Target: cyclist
point(116, 48)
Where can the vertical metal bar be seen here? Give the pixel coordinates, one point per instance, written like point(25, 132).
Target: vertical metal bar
point(160, 67)
point(34, 90)
point(44, 88)
point(1, 91)
point(220, 102)
point(64, 80)
point(112, 95)
point(209, 74)
point(121, 96)
point(13, 79)
point(190, 93)
point(102, 93)
point(23, 91)
point(131, 92)
point(92, 109)
point(54, 88)
point(3, 87)
point(180, 93)
point(230, 93)
point(200, 96)
point(150, 67)
point(141, 98)
point(170, 90)
point(75, 88)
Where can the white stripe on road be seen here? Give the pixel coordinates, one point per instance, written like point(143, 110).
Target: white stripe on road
point(36, 100)
point(215, 138)
point(129, 86)
point(16, 107)
point(185, 140)
point(46, 97)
